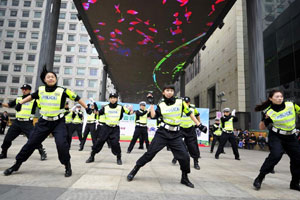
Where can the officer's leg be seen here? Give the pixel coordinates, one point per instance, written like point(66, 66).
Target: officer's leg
point(180, 153)
point(213, 143)
point(224, 138)
point(145, 136)
point(141, 141)
point(192, 145)
point(93, 133)
point(135, 136)
point(70, 130)
point(78, 128)
point(233, 143)
point(85, 134)
point(114, 138)
point(13, 132)
point(219, 141)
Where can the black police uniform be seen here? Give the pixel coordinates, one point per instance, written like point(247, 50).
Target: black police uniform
point(76, 126)
point(215, 139)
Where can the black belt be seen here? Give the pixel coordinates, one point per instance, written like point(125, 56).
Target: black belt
point(142, 125)
point(24, 119)
point(53, 118)
point(112, 126)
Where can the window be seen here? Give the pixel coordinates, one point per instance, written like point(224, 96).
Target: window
point(3, 79)
point(36, 24)
point(13, 91)
point(6, 56)
point(33, 46)
point(24, 24)
point(58, 47)
point(62, 15)
point(72, 27)
point(2, 90)
point(93, 72)
point(19, 56)
point(91, 94)
point(94, 50)
point(34, 35)
point(61, 26)
point(82, 60)
point(79, 92)
point(10, 34)
point(68, 70)
point(83, 38)
point(22, 34)
point(29, 68)
point(1, 22)
point(92, 83)
point(70, 48)
point(82, 49)
point(80, 71)
point(8, 45)
point(11, 23)
point(59, 36)
point(56, 58)
point(79, 82)
point(63, 5)
point(31, 57)
point(15, 3)
point(211, 94)
point(82, 27)
point(95, 61)
point(15, 79)
point(13, 13)
point(2, 12)
point(20, 45)
point(4, 67)
point(25, 13)
point(71, 37)
point(17, 68)
point(28, 79)
point(37, 14)
point(69, 59)
point(3, 2)
point(56, 70)
point(39, 4)
point(27, 3)
point(73, 16)
point(67, 82)
point(73, 6)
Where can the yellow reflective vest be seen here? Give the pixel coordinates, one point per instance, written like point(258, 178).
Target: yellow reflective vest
point(26, 109)
point(68, 118)
point(186, 121)
point(228, 125)
point(218, 131)
point(112, 115)
point(77, 119)
point(143, 119)
point(91, 118)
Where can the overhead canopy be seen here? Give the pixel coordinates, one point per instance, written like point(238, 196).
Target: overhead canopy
point(147, 43)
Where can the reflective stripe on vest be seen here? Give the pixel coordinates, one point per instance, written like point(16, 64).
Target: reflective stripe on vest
point(218, 131)
point(171, 114)
point(284, 120)
point(25, 112)
point(112, 115)
point(228, 125)
point(91, 117)
point(51, 102)
point(68, 117)
point(77, 119)
point(186, 121)
point(143, 119)
point(101, 119)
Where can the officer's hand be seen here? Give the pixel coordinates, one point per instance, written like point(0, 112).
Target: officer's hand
point(18, 107)
point(89, 110)
point(202, 128)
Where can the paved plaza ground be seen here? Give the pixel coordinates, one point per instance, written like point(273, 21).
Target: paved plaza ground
point(225, 178)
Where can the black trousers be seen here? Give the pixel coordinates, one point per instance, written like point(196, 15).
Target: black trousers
point(215, 139)
point(69, 127)
point(98, 133)
point(139, 132)
point(278, 145)
point(231, 138)
point(14, 131)
point(173, 139)
point(40, 132)
point(89, 128)
point(113, 135)
point(3, 126)
point(78, 129)
point(190, 140)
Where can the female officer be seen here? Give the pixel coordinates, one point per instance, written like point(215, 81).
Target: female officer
point(280, 118)
point(52, 101)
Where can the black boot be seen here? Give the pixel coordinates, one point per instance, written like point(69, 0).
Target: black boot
point(80, 148)
point(12, 169)
point(42, 153)
point(119, 160)
point(196, 164)
point(68, 171)
point(133, 173)
point(258, 181)
point(174, 161)
point(91, 158)
point(3, 154)
point(185, 180)
point(294, 185)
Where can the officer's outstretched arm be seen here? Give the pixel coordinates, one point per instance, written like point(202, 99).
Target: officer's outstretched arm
point(192, 116)
point(262, 126)
point(152, 111)
point(81, 102)
point(27, 99)
point(5, 105)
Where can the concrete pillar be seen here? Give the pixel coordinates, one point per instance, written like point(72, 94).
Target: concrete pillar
point(256, 58)
point(182, 84)
point(104, 79)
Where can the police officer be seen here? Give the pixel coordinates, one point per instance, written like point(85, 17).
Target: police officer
point(280, 118)
point(170, 109)
point(227, 133)
point(100, 124)
point(52, 101)
point(77, 116)
point(68, 121)
point(187, 129)
point(90, 126)
point(217, 132)
point(111, 131)
point(23, 122)
point(141, 129)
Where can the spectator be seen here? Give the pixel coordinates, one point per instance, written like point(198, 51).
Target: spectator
point(246, 140)
point(261, 141)
point(252, 141)
point(4, 122)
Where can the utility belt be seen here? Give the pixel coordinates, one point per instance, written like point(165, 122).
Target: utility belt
point(112, 126)
point(141, 125)
point(227, 131)
point(169, 127)
point(100, 123)
point(277, 130)
point(53, 118)
point(24, 119)
point(91, 122)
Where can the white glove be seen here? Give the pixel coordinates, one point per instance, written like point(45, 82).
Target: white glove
point(73, 109)
point(233, 112)
point(92, 100)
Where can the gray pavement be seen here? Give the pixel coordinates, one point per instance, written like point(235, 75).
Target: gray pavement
point(225, 178)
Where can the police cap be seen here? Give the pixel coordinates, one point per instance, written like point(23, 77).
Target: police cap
point(26, 86)
point(113, 94)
